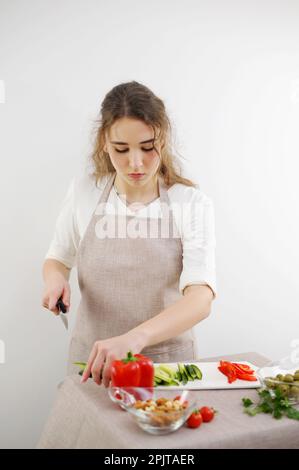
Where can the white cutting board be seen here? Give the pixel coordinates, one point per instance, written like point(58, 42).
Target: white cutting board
point(212, 378)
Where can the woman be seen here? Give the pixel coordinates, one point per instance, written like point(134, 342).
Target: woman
point(140, 290)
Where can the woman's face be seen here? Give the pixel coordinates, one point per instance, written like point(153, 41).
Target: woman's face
point(130, 147)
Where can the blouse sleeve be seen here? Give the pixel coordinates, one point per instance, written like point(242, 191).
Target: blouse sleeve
point(64, 244)
point(198, 239)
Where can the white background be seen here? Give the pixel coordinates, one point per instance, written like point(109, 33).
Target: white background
point(228, 73)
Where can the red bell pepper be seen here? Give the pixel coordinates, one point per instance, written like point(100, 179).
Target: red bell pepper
point(228, 369)
point(133, 371)
point(147, 370)
point(234, 370)
point(249, 377)
point(243, 368)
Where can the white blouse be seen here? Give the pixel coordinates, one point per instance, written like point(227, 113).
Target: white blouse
point(193, 213)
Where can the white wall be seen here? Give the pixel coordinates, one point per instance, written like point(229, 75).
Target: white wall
point(228, 73)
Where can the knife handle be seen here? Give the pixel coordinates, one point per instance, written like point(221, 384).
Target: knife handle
point(60, 305)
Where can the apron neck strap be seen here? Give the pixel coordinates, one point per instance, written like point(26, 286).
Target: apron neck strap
point(164, 199)
point(162, 189)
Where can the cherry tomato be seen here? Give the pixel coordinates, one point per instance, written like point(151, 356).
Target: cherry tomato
point(195, 419)
point(207, 414)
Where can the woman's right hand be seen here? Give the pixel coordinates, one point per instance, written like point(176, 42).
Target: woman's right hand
point(55, 287)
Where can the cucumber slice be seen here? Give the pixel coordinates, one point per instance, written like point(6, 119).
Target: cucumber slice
point(197, 371)
point(186, 372)
point(190, 372)
point(174, 382)
point(183, 373)
point(178, 376)
point(168, 370)
point(163, 377)
point(186, 376)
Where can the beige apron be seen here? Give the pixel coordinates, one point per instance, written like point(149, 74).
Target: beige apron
point(125, 281)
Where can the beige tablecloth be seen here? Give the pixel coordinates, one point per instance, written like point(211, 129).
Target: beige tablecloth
point(99, 423)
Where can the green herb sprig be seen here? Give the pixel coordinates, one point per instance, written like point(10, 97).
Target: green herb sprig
point(278, 406)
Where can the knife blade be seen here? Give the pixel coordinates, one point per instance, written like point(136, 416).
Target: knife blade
point(62, 309)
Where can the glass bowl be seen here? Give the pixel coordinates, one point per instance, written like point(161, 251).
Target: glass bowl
point(282, 375)
point(141, 404)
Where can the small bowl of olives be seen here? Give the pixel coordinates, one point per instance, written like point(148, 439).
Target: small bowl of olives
point(283, 376)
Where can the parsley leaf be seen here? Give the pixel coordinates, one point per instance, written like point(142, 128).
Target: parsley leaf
point(292, 413)
point(278, 406)
point(247, 402)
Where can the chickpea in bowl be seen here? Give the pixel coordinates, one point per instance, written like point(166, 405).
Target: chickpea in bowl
point(156, 411)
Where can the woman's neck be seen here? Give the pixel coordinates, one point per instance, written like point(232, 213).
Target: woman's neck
point(143, 194)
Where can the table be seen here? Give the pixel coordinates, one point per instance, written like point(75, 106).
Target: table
point(96, 422)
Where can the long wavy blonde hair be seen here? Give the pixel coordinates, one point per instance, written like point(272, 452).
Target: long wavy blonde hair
point(132, 99)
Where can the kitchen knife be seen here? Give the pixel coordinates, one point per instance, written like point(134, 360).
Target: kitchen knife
point(62, 308)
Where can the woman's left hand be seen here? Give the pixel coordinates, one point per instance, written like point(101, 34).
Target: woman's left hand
point(104, 352)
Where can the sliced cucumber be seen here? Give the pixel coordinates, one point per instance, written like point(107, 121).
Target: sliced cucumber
point(197, 372)
point(168, 370)
point(183, 373)
point(189, 371)
point(163, 377)
point(179, 376)
point(192, 372)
